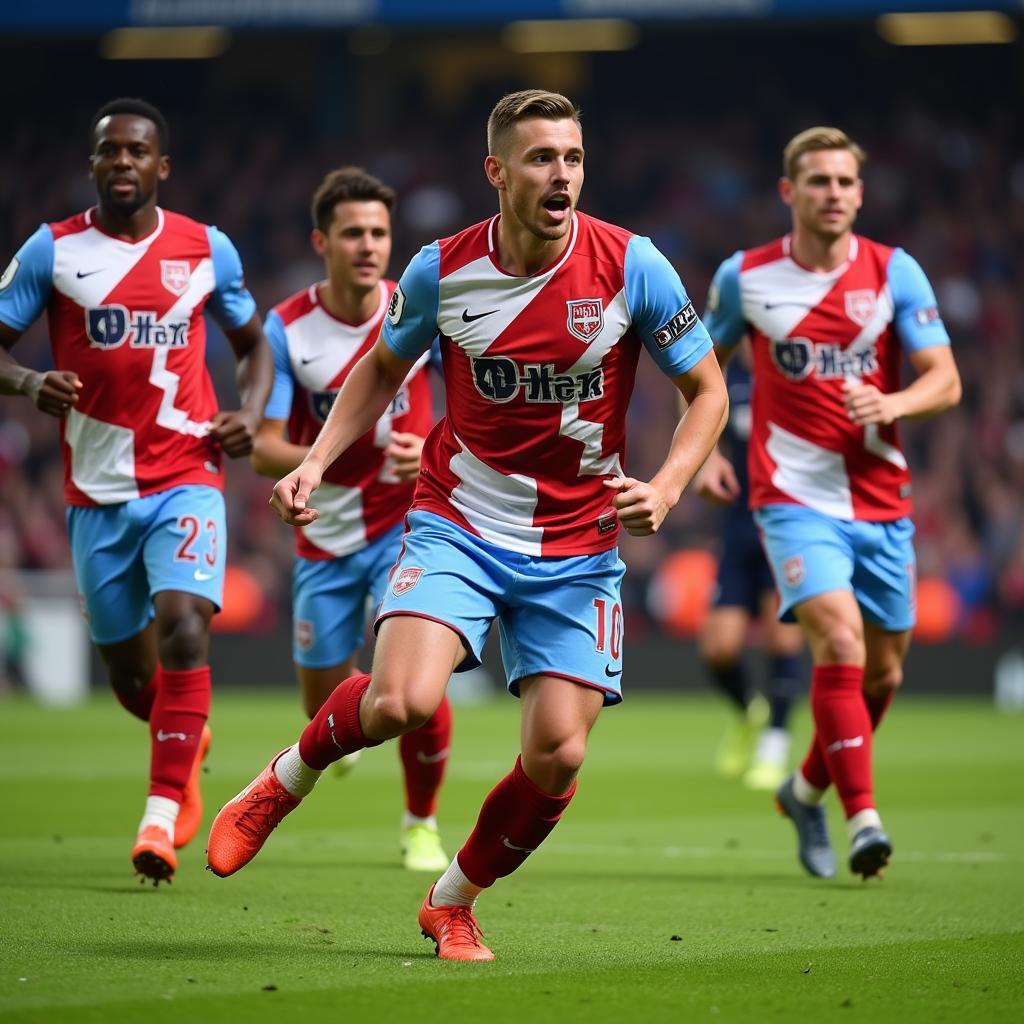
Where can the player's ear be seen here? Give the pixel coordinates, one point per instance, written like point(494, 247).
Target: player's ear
point(319, 241)
point(786, 190)
point(163, 171)
point(495, 172)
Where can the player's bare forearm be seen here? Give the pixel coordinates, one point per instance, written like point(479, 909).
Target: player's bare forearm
point(254, 375)
point(707, 411)
point(273, 454)
point(54, 392)
point(365, 395)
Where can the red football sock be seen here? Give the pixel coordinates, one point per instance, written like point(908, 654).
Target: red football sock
point(844, 732)
point(515, 819)
point(815, 769)
point(424, 753)
point(878, 704)
point(140, 703)
point(180, 710)
point(335, 730)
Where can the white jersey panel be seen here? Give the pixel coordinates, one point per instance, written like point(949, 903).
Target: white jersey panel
point(102, 459)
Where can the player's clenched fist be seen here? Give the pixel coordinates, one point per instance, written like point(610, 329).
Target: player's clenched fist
point(642, 507)
point(54, 392)
point(291, 494)
point(234, 431)
point(716, 480)
point(865, 405)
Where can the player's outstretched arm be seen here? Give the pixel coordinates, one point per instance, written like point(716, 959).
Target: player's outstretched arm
point(366, 393)
point(235, 430)
point(642, 507)
point(935, 389)
point(54, 392)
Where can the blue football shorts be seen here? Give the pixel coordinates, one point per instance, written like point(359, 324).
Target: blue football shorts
point(744, 575)
point(329, 600)
point(556, 616)
point(812, 553)
point(126, 553)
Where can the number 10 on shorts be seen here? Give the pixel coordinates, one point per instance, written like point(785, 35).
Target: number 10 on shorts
point(608, 628)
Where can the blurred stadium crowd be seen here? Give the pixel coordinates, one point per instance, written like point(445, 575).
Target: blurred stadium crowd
point(948, 188)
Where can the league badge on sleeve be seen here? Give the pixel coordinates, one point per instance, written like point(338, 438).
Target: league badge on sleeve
point(175, 275)
point(8, 275)
point(585, 318)
point(396, 305)
point(682, 323)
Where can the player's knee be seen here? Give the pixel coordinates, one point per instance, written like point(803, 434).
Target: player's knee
point(883, 680)
point(843, 643)
point(716, 653)
point(182, 640)
point(394, 714)
point(554, 768)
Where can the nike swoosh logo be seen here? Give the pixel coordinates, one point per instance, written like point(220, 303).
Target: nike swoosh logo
point(431, 758)
point(201, 576)
point(609, 672)
point(512, 846)
point(89, 273)
point(834, 748)
point(468, 317)
point(778, 305)
point(309, 359)
point(161, 736)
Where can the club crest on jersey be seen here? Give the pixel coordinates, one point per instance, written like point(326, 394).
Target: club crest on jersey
point(175, 275)
point(794, 572)
point(585, 318)
point(860, 306)
point(406, 580)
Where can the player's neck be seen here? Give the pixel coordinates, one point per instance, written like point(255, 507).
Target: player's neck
point(815, 252)
point(343, 302)
point(521, 253)
point(130, 227)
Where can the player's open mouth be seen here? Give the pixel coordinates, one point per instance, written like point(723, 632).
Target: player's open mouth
point(556, 204)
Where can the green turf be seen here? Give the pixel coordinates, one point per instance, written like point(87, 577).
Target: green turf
point(665, 895)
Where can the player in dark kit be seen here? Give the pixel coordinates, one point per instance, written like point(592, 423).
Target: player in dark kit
point(124, 285)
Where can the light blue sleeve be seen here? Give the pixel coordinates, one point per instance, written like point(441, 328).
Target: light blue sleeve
point(279, 405)
point(724, 315)
point(231, 304)
point(436, 363)
point(661, 311)
point(916, 315)
point(411, 322)
point(26, 283)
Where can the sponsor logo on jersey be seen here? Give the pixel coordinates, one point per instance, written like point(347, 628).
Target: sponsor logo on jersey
point(924, 317)
point(860, 305)
point(8, 275)
point(396, 305)
point(320, 403)
point(174, 275)
point(798, 358)
point(607, 521)
point(794, 572)
point(111, 326)
point(500, 379)
point(682, 323)
point(406, 580)
point(585, 318)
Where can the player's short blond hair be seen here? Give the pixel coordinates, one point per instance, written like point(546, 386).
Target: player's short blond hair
point(813, 139)
point(522, 105)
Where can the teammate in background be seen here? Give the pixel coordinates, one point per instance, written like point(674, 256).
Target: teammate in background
point(542, 314)
point(756, 742)
point(125, 285)
point(830, 315)
point(317, 336)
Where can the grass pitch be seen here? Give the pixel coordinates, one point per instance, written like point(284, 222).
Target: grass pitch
point(666, 894)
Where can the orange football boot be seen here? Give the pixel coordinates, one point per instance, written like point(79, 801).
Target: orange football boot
point(191, 813)
point(454, 930)
point(153, 855)
point(244, 824)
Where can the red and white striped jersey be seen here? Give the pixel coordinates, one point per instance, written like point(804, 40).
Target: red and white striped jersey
point(360, 497)
point(538, 374)
point(127, 317)
point(813, 333)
